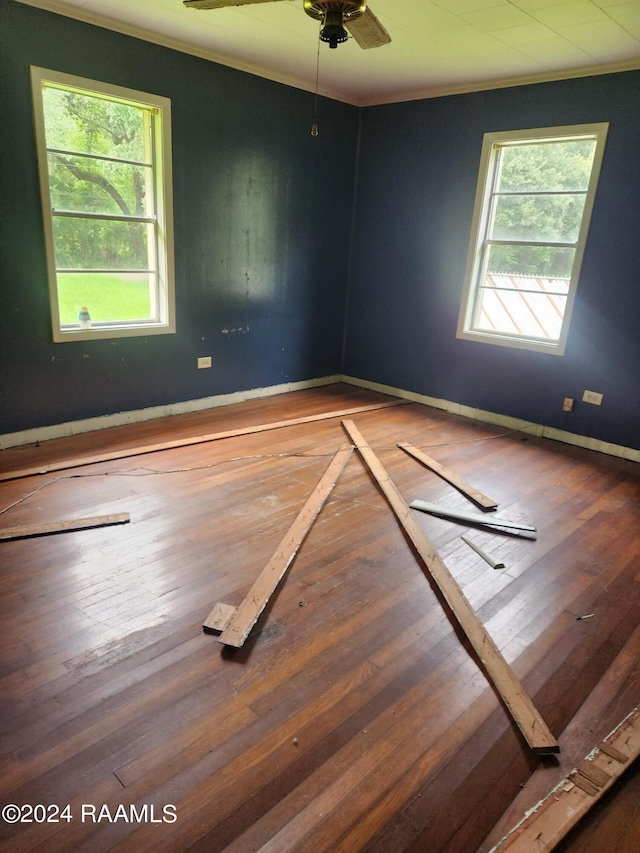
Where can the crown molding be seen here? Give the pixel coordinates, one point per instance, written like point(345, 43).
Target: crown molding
point(502, 83)
point(86, 17)
point(82, 14)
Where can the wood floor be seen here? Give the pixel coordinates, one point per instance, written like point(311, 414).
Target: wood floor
point(355, 717)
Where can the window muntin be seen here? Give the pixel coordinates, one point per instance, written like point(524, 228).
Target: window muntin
point(533, 203)
point(105, 170)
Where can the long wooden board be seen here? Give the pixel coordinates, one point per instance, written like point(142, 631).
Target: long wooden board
point(236, 625)
point(64, 526)
point(528, 719)
point(185, 442)
point(544, 826)
point(460, 484)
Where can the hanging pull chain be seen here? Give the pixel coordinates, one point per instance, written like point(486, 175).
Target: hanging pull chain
point(314, 126)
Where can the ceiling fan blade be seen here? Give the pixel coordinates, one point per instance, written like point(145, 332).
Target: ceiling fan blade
point(367, 30)
point(220, 4)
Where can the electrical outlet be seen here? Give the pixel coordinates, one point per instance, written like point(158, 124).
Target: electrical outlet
point(567, 405)
point(592, 397)
point(205, 361)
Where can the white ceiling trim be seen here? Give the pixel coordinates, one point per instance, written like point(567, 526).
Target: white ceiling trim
point(479, 86)
point(86, 16)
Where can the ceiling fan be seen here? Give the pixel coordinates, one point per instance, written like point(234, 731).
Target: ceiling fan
point(335, 15)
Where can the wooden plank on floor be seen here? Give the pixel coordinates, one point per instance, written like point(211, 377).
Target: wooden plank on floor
point(528, 719)
point(472, 493)
point(544, 826)
point(64, 526)
point(237, 629)
point(198, 439)
point(219, 618)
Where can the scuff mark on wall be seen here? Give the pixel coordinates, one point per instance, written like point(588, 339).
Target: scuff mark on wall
point(240, 330)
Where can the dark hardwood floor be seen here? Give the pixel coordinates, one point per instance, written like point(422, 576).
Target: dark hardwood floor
point(355, 718)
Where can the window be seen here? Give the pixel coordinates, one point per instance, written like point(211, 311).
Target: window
point(105, 173)
point(533, 204)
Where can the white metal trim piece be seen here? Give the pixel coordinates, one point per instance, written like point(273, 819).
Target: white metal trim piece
point(495, 564)
point(471, 517)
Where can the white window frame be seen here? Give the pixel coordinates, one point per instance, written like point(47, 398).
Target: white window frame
point(160, 119)
point(480, 224)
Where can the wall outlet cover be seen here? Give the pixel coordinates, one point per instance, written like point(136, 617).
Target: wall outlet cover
point(592, 397)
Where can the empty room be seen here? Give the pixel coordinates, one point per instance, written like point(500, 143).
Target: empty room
point(320, 426)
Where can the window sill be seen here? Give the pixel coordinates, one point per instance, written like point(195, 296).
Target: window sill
point(550, 347)
point(102, 332)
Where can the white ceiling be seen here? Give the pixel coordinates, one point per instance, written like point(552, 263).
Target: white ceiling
point(438, 47)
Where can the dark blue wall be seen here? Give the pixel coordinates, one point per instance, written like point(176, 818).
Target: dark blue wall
point(417, 180)
point(262, 229)
point(257, 203)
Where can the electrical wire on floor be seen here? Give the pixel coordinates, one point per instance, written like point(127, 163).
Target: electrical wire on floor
point(145, 471)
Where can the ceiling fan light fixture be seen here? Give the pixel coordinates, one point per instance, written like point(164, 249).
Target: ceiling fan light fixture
point(333, 32)
point(334, 14)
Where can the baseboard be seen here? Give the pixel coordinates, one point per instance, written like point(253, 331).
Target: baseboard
point(501, 420)
point(38, 434)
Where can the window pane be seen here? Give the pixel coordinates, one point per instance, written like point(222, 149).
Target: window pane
point(547, 166)
point(510, 312)
point(504, 281)
point(530, 221)
point(101, 244)
point(81, 184)
point(108, 297)
point(543, 261)
point(93, 125)
point(553, 218)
